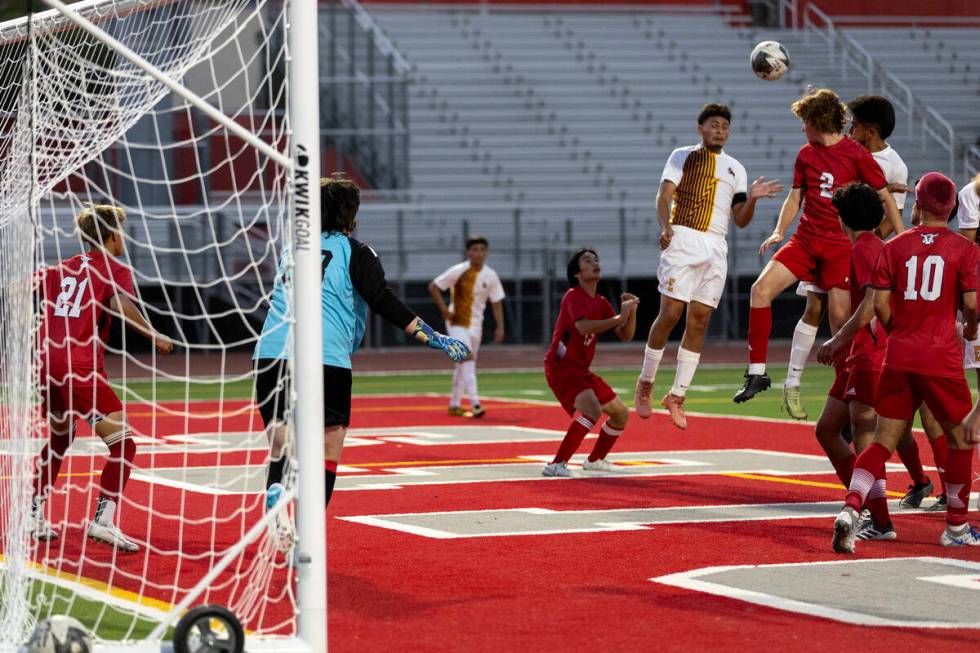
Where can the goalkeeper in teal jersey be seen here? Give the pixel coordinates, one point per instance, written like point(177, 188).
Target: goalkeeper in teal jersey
point(353, 281)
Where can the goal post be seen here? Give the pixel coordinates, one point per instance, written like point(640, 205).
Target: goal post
point(200, 118)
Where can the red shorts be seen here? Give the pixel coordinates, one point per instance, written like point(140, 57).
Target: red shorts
point(567, 382)
point(862, 386)
point(85, 394)
point(900, 393)
point(822, 262)
point(839, 389)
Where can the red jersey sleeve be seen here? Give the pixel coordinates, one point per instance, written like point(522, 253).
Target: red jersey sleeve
point(881, 279)
point(869, 171)
point(798, 174)
point(968, 270)
point(121, 279)
point(576, 307)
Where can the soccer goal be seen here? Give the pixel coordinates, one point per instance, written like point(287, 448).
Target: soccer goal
point(200, 119)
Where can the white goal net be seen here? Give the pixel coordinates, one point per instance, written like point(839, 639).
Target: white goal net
point(208, 222)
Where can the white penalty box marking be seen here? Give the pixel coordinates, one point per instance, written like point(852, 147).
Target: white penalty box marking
point(542, 521)
point(915, 592)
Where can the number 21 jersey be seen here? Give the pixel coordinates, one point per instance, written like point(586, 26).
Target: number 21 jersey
point(75, 295)
point(927, 270)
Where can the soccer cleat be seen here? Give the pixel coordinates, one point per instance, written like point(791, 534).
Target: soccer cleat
point(938, 505)
point(280, 529)
point(456, 411)
point(272, 495)
point(601, 465)
point(869, 531)
point(845, 527)
point(793, 403)
point(754, 384)
point(675, 406)
point(864, 519)
point(917, 492)
point(969, 536)
point(478, 411)
point(111, 535)
point(643, 398)
point(558, 469)
point(41, 528)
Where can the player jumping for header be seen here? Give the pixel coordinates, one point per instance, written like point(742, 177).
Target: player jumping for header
point(708, 188)
point(819, 251)
point(583, 316)
point(78, 297)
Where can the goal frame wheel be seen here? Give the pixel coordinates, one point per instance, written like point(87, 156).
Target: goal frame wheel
point(203, 614)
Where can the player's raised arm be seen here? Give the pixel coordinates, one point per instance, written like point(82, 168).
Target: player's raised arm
point(742, 212)
point(628, 307)
point(791, 206)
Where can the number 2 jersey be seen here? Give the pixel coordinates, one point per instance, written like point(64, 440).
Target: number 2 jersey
point(568, 346)
point(75, 296)
point(927, 270)
point(819, 171)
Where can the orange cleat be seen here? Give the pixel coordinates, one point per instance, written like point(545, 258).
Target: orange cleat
point(675, 406)
point(644, 398)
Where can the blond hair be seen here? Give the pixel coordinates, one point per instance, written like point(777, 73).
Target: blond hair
point(99, 221)
point(822, 110)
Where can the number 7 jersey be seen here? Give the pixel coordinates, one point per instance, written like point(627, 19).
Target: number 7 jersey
point(927, 270)
point(75, 295)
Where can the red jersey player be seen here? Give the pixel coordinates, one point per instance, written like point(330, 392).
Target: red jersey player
point(582, 317)
point(818, 252)
point(78, 297)
point(922, 277)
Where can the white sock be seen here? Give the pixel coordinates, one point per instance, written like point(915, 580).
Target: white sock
point(651, 361)
point(105, 511)
point(687, 363)
point(757, 368)
point(469, 380)
point(804, 336)
point(456, 396)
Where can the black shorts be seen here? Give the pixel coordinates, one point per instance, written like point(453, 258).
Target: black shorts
point(272, 389)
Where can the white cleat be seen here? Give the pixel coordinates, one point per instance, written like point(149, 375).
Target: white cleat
point(643, 399)
point(41, 529)
point(601, 465)
point(845, 530)
point(968, 536)
point(111, 535)
point(558, 469)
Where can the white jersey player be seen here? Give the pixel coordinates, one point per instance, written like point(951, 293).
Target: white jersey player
point(872, 121)
point(471, 285)
point(708, 189)
point(968, 220)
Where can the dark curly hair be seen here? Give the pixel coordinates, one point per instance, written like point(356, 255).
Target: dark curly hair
point(859, 206)
point(712, 110)
point(339, 200)
point(822, 110)
point(874, 111)
point(573, 267)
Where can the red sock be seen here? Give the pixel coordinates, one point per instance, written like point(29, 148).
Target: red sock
point(959, 478)
point(940, 452)
point(760, 325)
point(49, 462)
point(607, 438)
point(116, 472)
point(844, 468)
point(878, 502)
point(869, 467)
point(576, 432)
point(910, 458)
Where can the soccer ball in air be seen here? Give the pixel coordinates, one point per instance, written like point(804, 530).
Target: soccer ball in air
point(59, 634)
point(769, 60)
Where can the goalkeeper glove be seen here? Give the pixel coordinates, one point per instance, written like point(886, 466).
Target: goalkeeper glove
point(453, 348)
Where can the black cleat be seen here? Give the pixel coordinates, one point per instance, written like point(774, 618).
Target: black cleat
point(917, 492)
point(938, 506)
point(754, 384)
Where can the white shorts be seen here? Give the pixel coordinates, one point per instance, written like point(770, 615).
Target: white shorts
point(805, 287)
point(470, 337)
point(693, 268)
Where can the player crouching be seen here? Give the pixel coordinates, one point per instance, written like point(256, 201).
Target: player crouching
point(582, 317)
point(78, 297)
point(920, 280)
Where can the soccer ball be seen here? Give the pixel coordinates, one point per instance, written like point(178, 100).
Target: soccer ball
point(769, 60)
point(59, 634)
